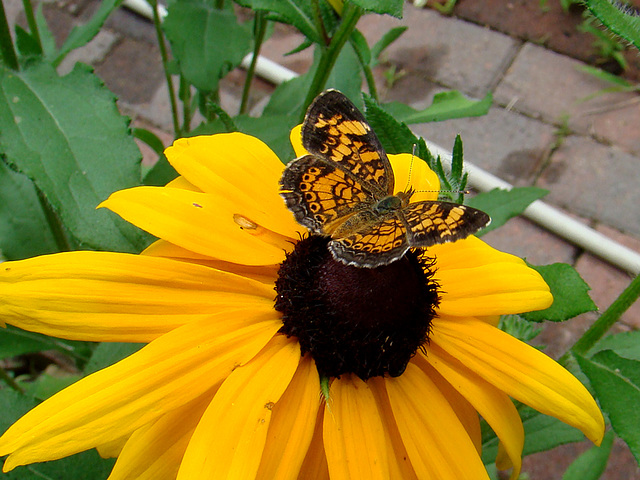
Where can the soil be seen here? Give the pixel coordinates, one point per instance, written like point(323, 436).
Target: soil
point(545, 22)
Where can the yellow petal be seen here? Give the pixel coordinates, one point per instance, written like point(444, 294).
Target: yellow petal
point(295, 136)
point(237, 167)
point(413, 172)
point(399, 464)
point(119, 297)
point(230, 438)
point(155, 451)
point(262, 273)
point(315, 465)
point(200, 222)
point(520, 371)
point(167, 373)
point(439, 446)
point(494, 405)
point(292, 425)
point(478, 280)
point(353, 433)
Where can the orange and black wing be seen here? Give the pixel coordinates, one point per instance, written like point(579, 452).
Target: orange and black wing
point(336, 131)
point(320, 195)
point(431, 223)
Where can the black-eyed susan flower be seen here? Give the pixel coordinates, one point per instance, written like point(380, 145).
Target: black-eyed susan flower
point(228, 386)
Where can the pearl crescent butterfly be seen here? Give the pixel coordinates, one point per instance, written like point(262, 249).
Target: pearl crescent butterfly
point(344, 189)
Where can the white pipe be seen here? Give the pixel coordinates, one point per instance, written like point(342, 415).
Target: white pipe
point(544, 215)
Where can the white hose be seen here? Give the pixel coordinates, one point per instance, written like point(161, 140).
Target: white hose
point(544, 215)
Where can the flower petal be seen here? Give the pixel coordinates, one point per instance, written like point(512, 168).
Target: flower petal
point(292, 425)
point(520, 371)
point(295, 137)
point(111, 403)
point(238, 167)
point(439, 446)
point(353, 433)
point(155, 451)
point(494, 406)
point(315, 465)
point(230, 438)
point(413, 172)
point(200, 222)
point(478, 280)
point(119, 297)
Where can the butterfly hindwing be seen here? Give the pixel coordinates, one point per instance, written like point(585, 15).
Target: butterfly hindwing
point(335, 130)
point(434, 222)
point(375, 244)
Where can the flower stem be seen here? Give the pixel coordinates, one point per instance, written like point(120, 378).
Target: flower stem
point(6, 43)
point(350, 16)
point(259, 29)
point(608, 318)
point(31, 20)
point(368, 75)
point(165, 62)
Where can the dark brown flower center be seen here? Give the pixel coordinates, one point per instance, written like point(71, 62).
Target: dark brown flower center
point(367, 321)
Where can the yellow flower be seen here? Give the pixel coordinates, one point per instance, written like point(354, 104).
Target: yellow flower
point(221, 392)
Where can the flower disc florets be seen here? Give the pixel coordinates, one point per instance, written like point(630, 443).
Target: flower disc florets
point(366, 321)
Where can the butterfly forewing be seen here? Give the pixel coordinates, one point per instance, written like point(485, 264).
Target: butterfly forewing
point(336, 131)
point(320, 194)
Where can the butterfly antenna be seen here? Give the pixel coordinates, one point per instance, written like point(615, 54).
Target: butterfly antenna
point(413, 156)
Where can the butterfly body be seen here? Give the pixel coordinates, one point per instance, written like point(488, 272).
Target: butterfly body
point(344, 189)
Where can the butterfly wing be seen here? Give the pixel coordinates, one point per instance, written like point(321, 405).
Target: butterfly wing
point(320, 195)
point(433, 222)
point(336, 131)
point(377, 243)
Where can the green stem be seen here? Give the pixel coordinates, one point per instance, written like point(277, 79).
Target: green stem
point(165, 63)
point(55, 226)
point(607, 319)
point(368, 73)
point(10, 381)
point(6, 43)
point(259, 30)
point(317, 19)
point(185, 98)
point(31, 20)
point(350, 16)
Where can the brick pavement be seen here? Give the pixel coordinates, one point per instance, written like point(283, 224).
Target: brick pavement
point(539, 132)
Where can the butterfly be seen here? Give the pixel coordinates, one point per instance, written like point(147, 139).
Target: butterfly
point(344, 188)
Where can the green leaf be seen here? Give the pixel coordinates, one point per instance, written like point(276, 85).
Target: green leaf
point(24, 231)
point(622, 24)
point(15, 341)
point(386, 40)
point(150, 138)
point(161, 173)
point(518, 327)
point(82, 34)
point(625, 344)
point(208, 43)
point(445, 106)
point(502, 205)
point(46, 385)
point(67, 135)
point(28, 47)
point(592, 463)
point(542, 433)
point(394, 135)
point(616, 381)
point(298, 13)
point(109, 353)
point(569, 290)
point(390, 7)
point(82, 466)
